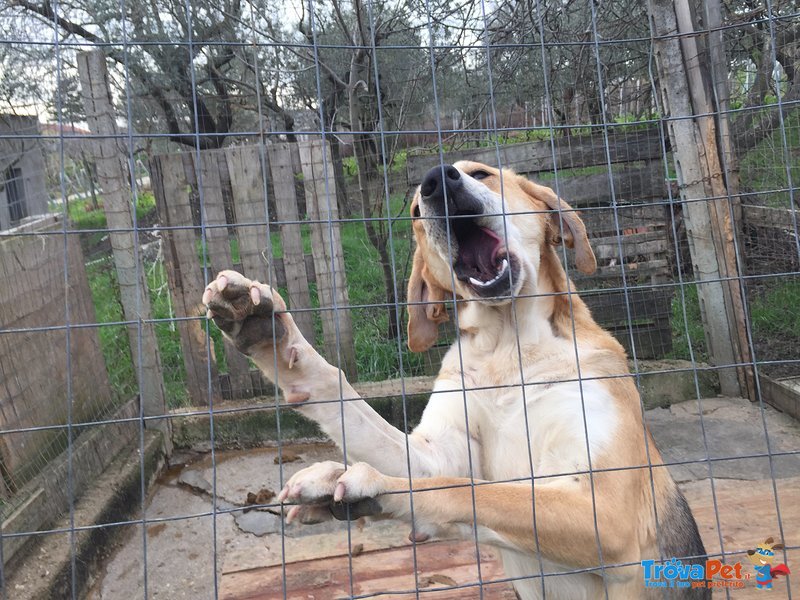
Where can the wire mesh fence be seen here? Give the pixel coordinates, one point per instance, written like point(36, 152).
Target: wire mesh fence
point(145, 148)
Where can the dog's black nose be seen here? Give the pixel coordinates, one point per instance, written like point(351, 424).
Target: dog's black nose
point(445, 181)
point(439, 181)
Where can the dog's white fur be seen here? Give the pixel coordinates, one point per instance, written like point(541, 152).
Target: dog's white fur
point(527, 389)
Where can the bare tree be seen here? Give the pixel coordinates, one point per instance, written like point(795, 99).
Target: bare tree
point(354, 98)
point(191, 88)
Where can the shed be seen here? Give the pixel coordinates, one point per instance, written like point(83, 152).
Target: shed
point(23, 190)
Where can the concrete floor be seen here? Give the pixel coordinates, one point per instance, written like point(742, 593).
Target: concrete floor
point(187, 557)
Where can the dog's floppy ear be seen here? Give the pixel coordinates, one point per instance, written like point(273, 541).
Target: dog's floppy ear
point(426, 308)
point(570, 230)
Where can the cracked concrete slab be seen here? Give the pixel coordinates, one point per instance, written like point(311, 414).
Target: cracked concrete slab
point(737, 435)
point(190, 544)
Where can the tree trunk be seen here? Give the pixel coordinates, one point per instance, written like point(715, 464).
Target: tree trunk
point(360, 146)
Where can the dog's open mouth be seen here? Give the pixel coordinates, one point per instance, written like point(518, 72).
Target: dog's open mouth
point(482, 260)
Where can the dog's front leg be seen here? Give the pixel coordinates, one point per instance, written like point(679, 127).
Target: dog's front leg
point(254, 317)
point(503, 513)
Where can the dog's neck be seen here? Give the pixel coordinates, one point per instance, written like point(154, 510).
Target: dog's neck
point(524, 322)
point(545, 311)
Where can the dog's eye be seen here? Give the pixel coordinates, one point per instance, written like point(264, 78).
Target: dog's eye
point(479, 175)
point(415, 212)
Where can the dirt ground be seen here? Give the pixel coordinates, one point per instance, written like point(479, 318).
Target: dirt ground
point(199, 550)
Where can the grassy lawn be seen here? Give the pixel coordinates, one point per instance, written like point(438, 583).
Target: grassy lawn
point(377, 356)
point(774, 325)
point(688, 338)
point(764, 167)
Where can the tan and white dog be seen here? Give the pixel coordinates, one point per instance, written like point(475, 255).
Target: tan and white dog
point(533, 438)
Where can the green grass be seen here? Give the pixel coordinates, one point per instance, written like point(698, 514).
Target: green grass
point(113, 338)
point(114, 342)
point(687, 332)
point(763, 168)
point(377, 356)
point(83, 216)
point(773, 311)
point(773, 318)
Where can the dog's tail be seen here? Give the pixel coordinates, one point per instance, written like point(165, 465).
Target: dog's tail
point(678, 537)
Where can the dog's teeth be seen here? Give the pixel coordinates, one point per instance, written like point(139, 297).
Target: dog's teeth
point(478, 282)
point(493, 280)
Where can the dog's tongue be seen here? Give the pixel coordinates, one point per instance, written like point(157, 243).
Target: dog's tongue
point(477, 250)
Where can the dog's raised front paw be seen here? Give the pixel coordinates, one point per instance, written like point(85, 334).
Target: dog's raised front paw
point(348, 494)
point(244, 310)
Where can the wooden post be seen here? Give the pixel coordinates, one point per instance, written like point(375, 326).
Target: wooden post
point(294, 264)
point(685, 92)
point(184, 274)
point(334, 303)
point(246, 175)
point(113, 175)
point(218, 243)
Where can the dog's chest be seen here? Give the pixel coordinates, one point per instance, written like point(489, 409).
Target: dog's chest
point(541, 427)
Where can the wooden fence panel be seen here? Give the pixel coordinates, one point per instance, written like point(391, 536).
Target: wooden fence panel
point(320, 192)
point(184, 274)
point(777, 218)
point(535, 157)
point(281, 163)
point(33, 364)
point(630, 184)
point(218, 242)
point(233, 192)
point(246, 179)
point(640, 232)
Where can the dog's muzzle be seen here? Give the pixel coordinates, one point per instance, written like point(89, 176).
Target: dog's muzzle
point(479, 256)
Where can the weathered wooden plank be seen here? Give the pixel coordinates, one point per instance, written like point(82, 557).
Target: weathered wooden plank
point(611, 250)
point(376, 571)
point(642, 269)
point(33, 365)
point(277, 265)
point(246, 165)
point(295, 269)
point(184, 275)
point(644, 324)
point(630, 184)
point(628, 239)
point(607, 221)
point(777, 218)
point(609, 308)
point(535, 157)
point(783, 394)
point(113, 175)
point(684, 88)
point(218, 242)
point(321, 204)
